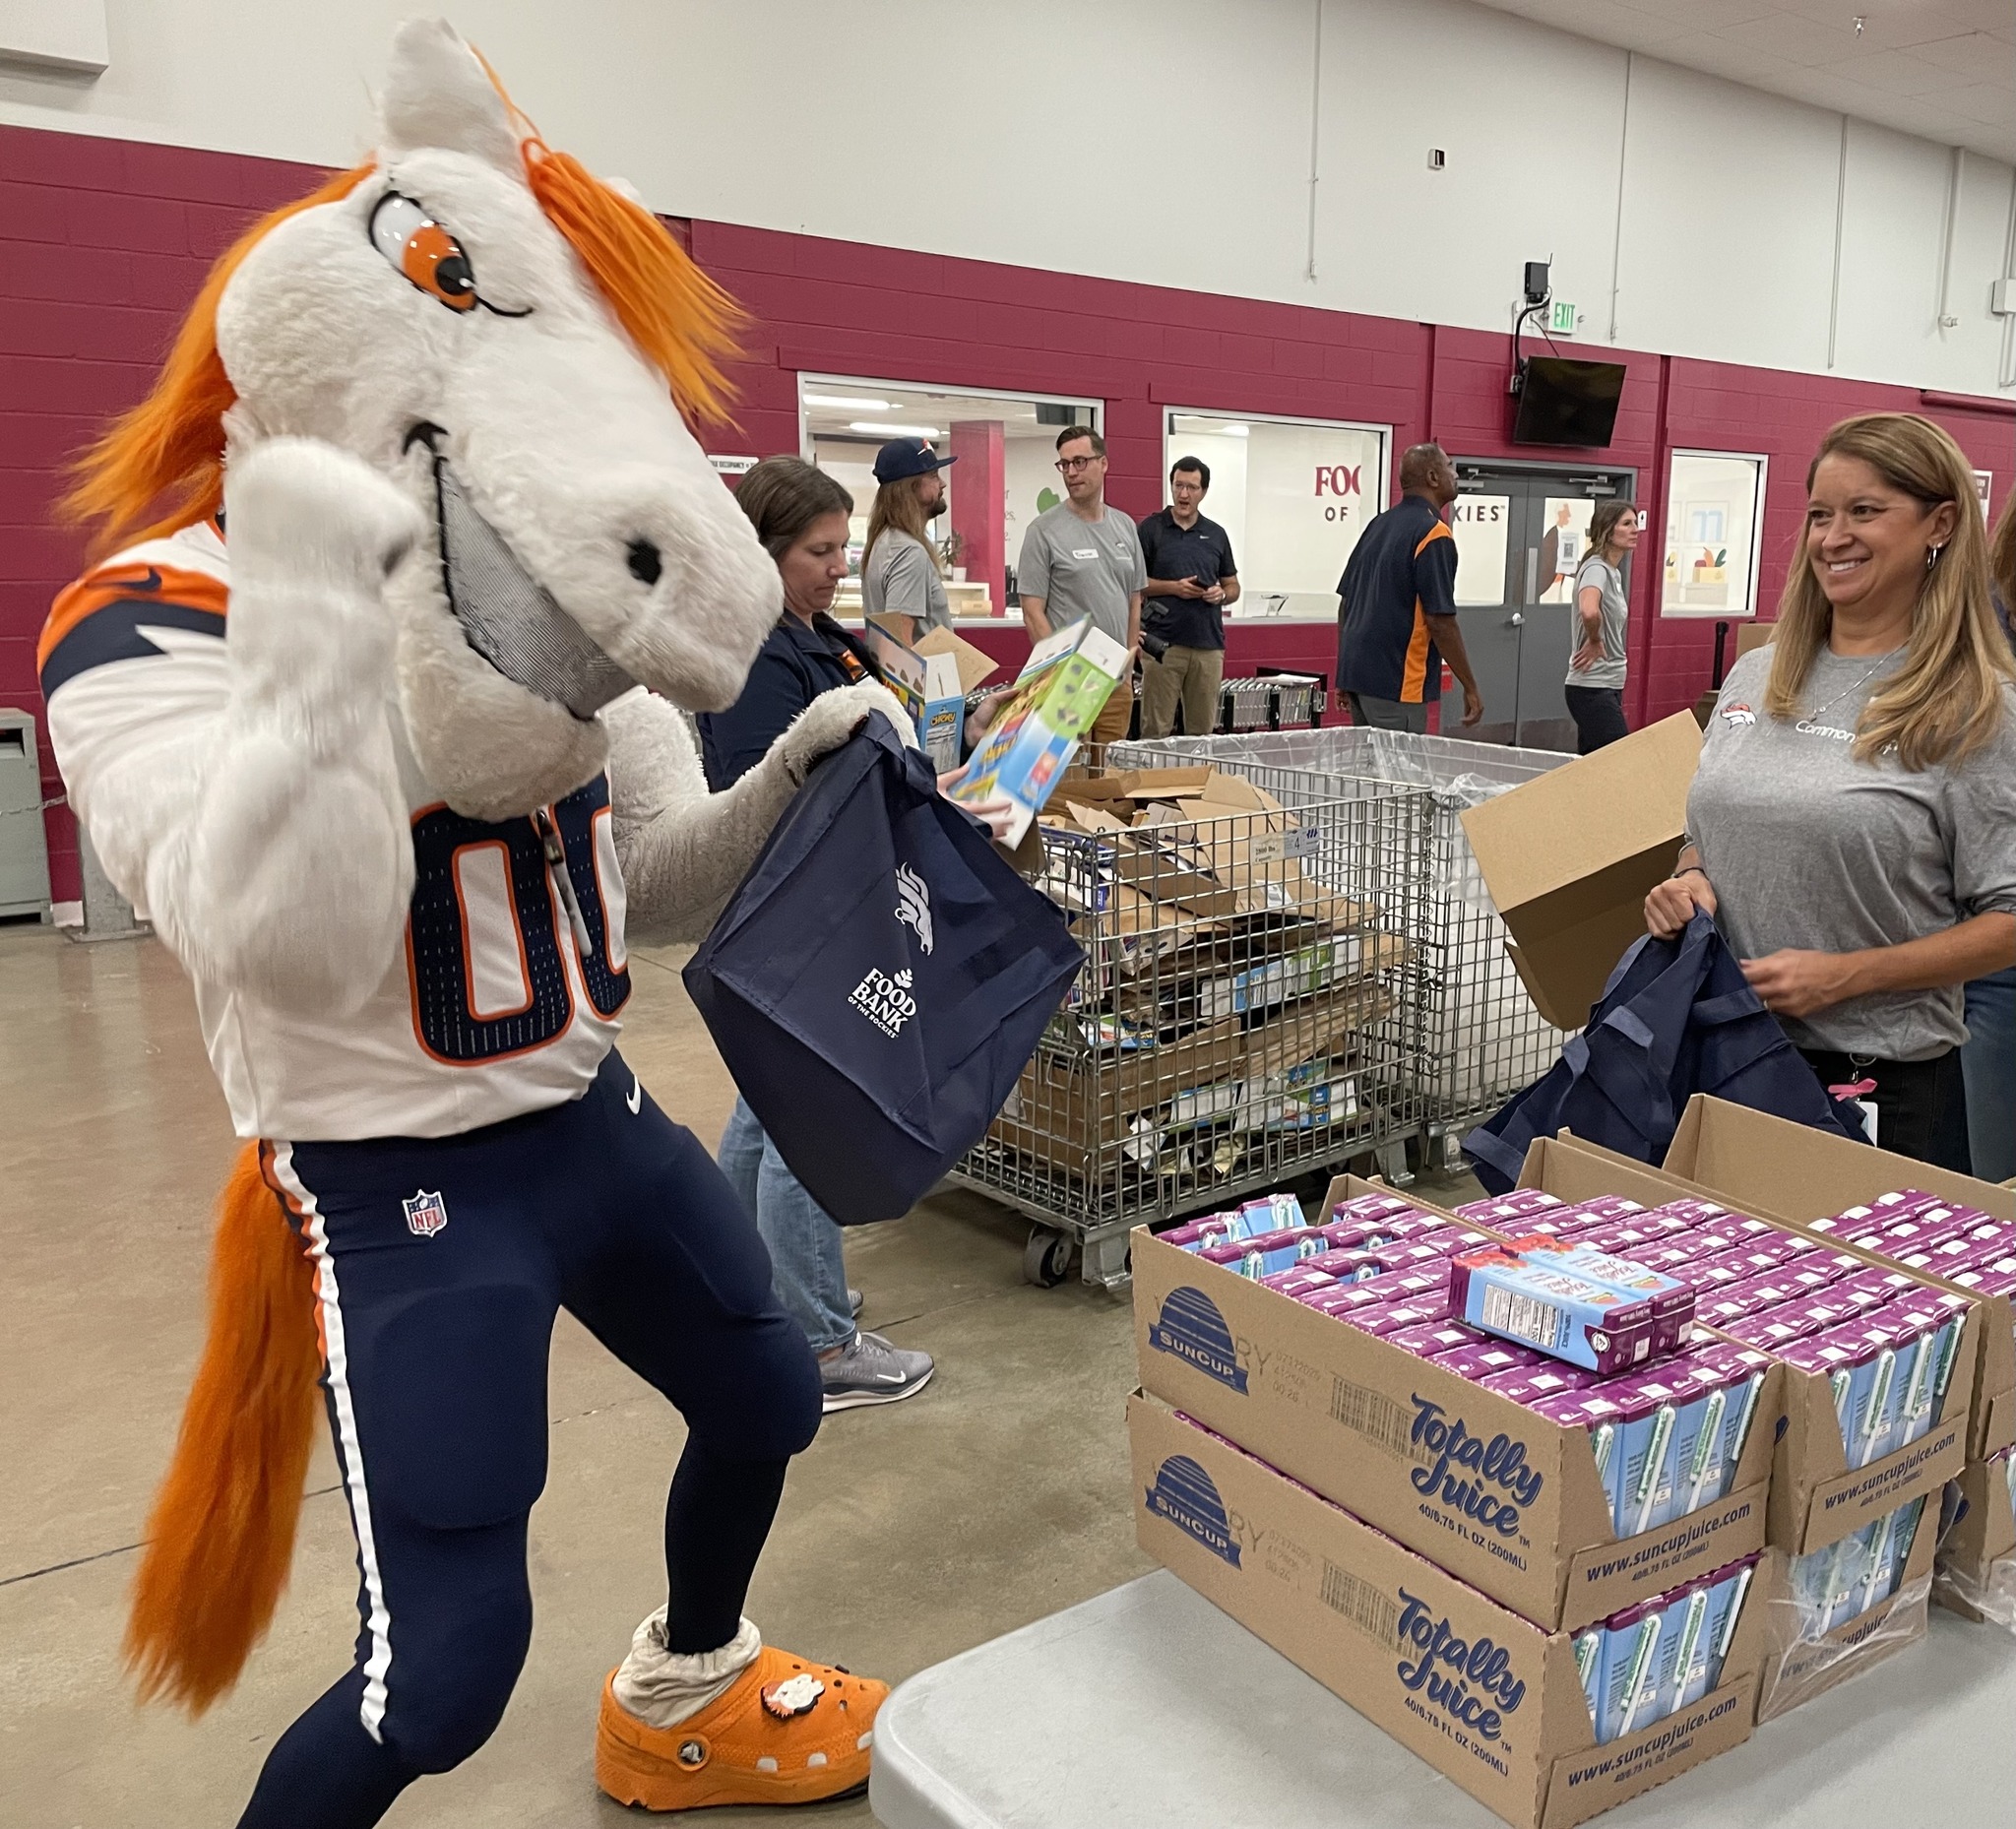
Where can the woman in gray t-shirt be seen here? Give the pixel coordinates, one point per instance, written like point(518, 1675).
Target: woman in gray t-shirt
point(1854, 820)
point(1596, 669)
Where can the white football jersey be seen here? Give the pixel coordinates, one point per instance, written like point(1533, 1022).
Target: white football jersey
point(504, 998)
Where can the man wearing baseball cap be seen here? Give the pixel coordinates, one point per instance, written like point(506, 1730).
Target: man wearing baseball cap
point(899, 569)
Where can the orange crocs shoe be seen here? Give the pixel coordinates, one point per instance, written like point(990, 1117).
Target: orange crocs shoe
point(786, 1730)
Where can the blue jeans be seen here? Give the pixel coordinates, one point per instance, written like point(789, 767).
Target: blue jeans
point(804, 1241)
point(1988, 1061)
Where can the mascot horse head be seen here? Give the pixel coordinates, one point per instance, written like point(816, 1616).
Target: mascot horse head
point(511, 341)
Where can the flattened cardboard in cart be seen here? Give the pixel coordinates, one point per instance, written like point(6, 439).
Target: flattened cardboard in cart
point(1488, 1698)
point(1790, 1172)
point(1816, 1497)
point(1570, 855)
point(1799, 1668)
point(1497, 1494)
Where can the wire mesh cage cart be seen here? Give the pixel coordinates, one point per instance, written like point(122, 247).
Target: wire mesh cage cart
point(1250, 1008)
point(1483, 1038)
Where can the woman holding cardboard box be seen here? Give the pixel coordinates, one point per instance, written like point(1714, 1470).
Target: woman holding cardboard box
point(1852, 826)
point(800, 514)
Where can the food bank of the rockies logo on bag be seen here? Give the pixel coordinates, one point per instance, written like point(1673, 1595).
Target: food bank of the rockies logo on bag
point(885, 1000)
point(1185, 1495)
point(1190, 1328)
point(913, 905)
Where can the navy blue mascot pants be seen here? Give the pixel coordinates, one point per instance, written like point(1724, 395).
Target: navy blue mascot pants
point(441, 1264)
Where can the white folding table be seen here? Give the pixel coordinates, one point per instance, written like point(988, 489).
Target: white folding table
point(1148, 1706)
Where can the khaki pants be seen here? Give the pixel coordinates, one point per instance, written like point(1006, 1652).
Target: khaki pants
point(1111, 724)
point(1190, 676)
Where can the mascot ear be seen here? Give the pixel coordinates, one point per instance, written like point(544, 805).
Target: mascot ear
point(437, 93)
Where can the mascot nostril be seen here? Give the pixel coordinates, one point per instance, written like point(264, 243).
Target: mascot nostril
point(645, 565)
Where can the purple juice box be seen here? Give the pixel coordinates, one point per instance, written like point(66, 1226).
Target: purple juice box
point(1986, 1283)
point(1691, 1212)
point(1727, 1589)
point(1585, 1323)
point(1428, 1282)
point(1431, 1338)
point(1863, 1399)
point(1450, 1239)
point(1596, 1410)
point(1652, 1406)
point(1741, 1370)
point(1773, 1329)
point(1721, 1308)
point(1630, 1669)
point(1343, 1297)
point(1372, 1209)
point(1519, 1204)
point(1389, 1317)
point(1714, 1239)
point(1528, 1383)
point(1263, 1253)
point(1672, 1299)
point(1299, 1279)
point(1351, 1265)
point(1991, 1254)
point(1480, 1363)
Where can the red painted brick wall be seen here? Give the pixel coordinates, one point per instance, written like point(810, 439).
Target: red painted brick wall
point(103, 242)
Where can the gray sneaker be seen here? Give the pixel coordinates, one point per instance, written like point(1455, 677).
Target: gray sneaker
point(872, 1370)
point(854, 1298)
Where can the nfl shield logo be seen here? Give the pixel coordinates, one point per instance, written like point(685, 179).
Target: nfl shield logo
point(425, 1214)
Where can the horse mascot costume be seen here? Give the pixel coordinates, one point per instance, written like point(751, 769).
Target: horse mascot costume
point(380, 779)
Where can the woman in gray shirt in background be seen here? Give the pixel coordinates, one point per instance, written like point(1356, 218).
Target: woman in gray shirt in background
point(1596, 671)
point(1853, 821)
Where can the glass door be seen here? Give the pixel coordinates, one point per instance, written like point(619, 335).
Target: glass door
point(1519, 534)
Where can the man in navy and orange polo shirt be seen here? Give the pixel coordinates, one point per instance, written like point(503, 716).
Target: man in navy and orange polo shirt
point(1396, 618)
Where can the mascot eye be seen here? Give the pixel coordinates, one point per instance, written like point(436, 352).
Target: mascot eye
point(423, 250)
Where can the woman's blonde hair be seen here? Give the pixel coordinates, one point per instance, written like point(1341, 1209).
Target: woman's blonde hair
point(897, 506)
point(1946, 700)
point(1602, 526)
point(2002, 559)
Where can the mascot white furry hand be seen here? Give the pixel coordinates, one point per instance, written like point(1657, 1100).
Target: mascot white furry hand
point(353, 714)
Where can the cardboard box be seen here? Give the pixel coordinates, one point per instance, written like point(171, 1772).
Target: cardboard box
point(1498, 1495)
point(931, 678)
point(1057, 697)
point(1488, 1698)
point(1752, 635)
point(1976, 1576)
point(1788, 1172)
point(1816, 1497)
point(1570, 857)
point(1797, 1668)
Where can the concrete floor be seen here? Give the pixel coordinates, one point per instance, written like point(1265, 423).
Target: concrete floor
point(994, 1497)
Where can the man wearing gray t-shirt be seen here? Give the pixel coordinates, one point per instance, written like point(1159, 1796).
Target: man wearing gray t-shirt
point(1079, 559)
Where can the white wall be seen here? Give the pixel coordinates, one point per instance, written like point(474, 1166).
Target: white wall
point(1169, 141)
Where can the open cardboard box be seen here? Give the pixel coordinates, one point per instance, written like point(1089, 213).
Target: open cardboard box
point(1499, 1496)
point(1787, 1172)
point(931, 676)
point(1570, 857)
point(1488, 1698)
point(1977, 1567)
point(1797, 1668)
point(1816, 1497)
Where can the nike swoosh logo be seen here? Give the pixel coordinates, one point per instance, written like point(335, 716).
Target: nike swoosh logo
point(891, 1378)
point(151, 581)
point(634, 1098)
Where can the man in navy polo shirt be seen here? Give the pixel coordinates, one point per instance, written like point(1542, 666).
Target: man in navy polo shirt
point(1396, 612)
point(1191, 578)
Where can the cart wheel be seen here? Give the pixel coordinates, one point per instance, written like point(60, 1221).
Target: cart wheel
point(1046, 1257)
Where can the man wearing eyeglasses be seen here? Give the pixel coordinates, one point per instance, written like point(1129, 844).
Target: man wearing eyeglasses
point(1079, 559)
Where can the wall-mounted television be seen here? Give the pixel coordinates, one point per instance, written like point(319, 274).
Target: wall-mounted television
point(1567, 402)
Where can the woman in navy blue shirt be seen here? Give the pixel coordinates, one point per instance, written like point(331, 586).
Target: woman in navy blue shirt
point(800, 514)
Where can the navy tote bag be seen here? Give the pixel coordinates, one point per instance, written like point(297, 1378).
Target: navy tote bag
point(879, 980)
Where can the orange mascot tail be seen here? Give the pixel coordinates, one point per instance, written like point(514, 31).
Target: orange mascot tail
point(222, 1533)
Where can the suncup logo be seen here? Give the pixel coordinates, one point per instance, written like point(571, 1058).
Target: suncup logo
point(913, 905)
point(1185, 1495)
point(1190, 1328)
point(1467, 1466)
point(1469, 1680)
point(885, 1000)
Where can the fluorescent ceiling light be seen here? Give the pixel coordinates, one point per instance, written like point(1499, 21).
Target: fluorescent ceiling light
point(849, 401)
point(894, 431)
point(1235, 431)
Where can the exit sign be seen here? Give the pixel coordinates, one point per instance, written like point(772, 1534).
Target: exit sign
point(1561, 318)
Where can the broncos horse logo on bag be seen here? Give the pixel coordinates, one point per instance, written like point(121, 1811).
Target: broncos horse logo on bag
point(914, 904)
